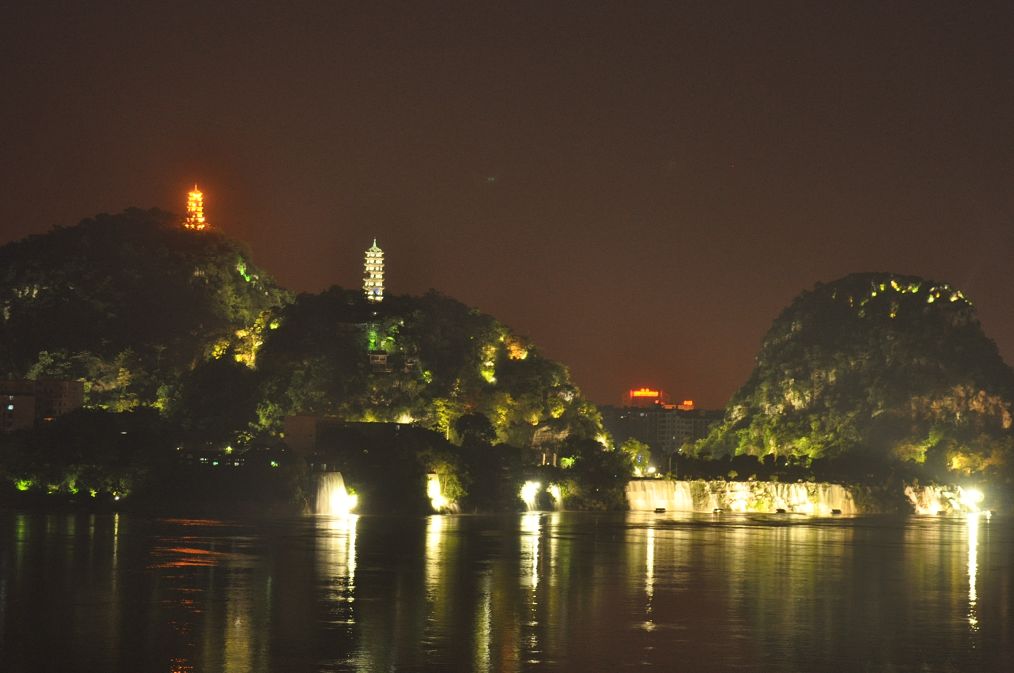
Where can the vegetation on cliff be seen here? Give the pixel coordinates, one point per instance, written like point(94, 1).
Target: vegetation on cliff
point(876, 372)
point(128, 303)
point(181, 323)
point(434, 360)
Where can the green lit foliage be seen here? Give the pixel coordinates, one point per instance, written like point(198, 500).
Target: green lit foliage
point(141, 311)
point(598, 476)
point(87, 450)
point(882, 366)
point(638, 453)
point(447, 464)
point(127, 303)
point(315, 361)
point(441, 361)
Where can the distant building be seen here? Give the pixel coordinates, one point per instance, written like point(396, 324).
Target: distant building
point(17, 411)
point(378, 362)
point(195, 211)
point(663, 427)
point(373, 273)
point(56, 397)
point(23, 402)
point(644, 397)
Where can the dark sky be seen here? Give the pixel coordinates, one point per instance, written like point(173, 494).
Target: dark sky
point(639, 187)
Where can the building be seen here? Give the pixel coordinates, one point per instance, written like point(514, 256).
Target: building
point(56, 397)
point(17, 410)
point(663, 427)
point(373, 274)
point(23, 403)
point(644, 397)
point(195, 211)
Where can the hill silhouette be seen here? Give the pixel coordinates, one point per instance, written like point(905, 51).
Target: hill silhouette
point(876, 367)
point(149, 314)
point(127, 303)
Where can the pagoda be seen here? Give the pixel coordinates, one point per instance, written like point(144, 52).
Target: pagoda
point(373, 274)
point(195, 211)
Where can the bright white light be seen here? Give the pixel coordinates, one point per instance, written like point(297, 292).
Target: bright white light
point(970, 498)
point(651, 469)
point(343, 502)
point(437, 500)
point(529, 491)
point(557, 495)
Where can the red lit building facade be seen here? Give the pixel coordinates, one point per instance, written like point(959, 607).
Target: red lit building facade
point(650, 417)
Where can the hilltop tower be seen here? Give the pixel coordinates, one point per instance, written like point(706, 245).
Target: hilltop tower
point(195, 211)
point(373, 274)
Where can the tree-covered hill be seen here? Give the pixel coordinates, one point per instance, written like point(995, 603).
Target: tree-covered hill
point(439, 360)
point(148, 313)
point(879, 368)
point(127, 303)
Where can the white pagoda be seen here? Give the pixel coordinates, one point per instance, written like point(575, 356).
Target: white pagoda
point(373, 274)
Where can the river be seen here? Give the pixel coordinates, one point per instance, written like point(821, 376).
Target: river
point(528, 592)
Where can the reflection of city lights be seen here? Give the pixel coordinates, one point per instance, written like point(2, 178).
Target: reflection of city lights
point(531, 525)
point(649, 581)
point(434, 538)
point(649, 575)
point(973, 549)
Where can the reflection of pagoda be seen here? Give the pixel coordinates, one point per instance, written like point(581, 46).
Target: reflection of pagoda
point(195, 211)
point(373, 274)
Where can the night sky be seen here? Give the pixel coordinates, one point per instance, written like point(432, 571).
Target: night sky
point(639, 187)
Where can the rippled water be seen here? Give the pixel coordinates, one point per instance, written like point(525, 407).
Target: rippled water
point(552, 592)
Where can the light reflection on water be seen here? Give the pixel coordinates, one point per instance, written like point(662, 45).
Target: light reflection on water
point(535, 591)
point(973, 567)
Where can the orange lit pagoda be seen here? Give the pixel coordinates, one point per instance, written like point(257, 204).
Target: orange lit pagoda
point(195, 211)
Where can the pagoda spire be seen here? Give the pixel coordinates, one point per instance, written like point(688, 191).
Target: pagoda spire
point(195, 211)
point(373, 274)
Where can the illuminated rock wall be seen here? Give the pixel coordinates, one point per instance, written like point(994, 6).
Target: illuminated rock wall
point(739, 496)
point(943, 499)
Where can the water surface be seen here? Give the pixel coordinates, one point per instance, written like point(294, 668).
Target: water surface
point(528, 592)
